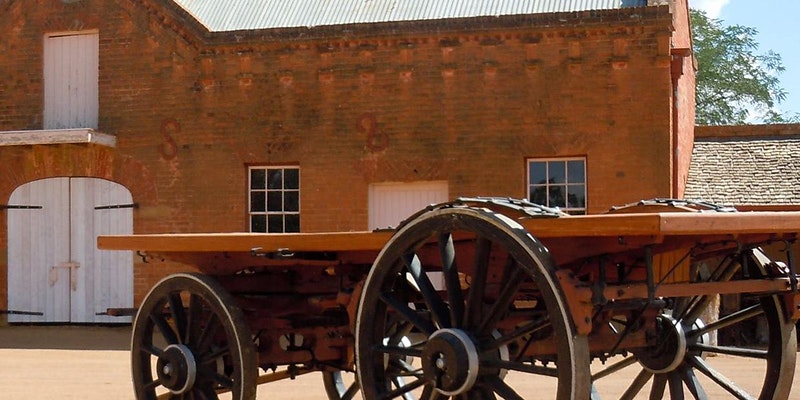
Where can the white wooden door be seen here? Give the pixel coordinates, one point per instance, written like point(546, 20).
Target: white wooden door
point(38, 239)
point(391, 203)
point(71, 72)
point(54, 266)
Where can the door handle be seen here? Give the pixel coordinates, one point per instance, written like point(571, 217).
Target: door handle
point(73, 277)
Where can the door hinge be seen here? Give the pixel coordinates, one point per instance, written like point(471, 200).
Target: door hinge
point(115, 206)
point(18, 207)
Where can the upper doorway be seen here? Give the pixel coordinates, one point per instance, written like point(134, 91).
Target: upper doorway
point(54, 266)
point(71, 80)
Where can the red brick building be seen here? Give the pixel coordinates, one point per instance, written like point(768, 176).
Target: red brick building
point(161, 116)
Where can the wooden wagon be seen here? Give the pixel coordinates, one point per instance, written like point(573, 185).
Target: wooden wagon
point(480, 298)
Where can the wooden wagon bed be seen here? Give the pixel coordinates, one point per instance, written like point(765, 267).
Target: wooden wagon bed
point(567, 237)
point(464, 296)
point(655, 226)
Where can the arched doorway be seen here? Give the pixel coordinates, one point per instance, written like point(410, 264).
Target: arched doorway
point(54, 266)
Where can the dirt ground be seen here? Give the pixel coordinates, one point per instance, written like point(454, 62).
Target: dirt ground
point(92, 363)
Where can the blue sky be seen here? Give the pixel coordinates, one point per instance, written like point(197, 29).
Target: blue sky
point(778, 30)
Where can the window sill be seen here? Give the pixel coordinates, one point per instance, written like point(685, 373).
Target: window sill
point(56, 136)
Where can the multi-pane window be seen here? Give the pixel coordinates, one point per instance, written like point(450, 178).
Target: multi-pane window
point(558, 183)
point(274, 199)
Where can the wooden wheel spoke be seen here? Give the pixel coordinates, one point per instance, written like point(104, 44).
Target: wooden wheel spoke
point(220, 379)
point(403, 389)
point(164, 327)
point(452, 281)
point(208, 333)
point(659, 387)
point(700, 364)
point(480, 271)
point(214, 355)
point(512, 281)
point(207, 393)
point(696, 306)
point(441, 315)
point(194, 317)
point(167, 396)
point(732, 351)
point(404, 369)
point(150, 349)
point(694, 386)
point(527, 329)
point(399, 351)
point(636, 386)
point(351, 391)
point(498, 386)
point(178, 315)
point(429, 393)
point(675, 386)
point(729, 320)
point(410, 315)
point(153, 384)
point(617, 366)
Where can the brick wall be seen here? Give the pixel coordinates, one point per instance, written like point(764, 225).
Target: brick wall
point(467, 104)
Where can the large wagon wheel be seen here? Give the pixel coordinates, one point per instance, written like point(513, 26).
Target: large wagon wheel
point(498, 320)
point(685, 362)
point(189, 328)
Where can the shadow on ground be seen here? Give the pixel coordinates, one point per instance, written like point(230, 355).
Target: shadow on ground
point(65, 337)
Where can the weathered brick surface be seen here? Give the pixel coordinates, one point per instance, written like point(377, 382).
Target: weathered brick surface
point(467, 104)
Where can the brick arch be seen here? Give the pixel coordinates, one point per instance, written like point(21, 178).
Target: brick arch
point(39, 162)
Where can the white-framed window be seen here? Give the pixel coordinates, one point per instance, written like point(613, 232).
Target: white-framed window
point(274, 199)
point(558, 182)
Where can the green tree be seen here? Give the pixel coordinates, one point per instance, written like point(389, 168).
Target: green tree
point(735, 84)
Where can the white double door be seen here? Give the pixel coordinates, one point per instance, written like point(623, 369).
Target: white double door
point(54, 267)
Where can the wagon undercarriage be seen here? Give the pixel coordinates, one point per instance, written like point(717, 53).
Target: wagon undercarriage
point(480, 298)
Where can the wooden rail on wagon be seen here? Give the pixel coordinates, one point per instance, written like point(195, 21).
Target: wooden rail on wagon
point(479, 298)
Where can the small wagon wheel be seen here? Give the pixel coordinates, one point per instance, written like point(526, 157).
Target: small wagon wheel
point(497, 318)
point(687, 363)
point(189, 327)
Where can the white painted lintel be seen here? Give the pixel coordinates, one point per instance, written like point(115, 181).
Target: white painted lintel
point(56, 136)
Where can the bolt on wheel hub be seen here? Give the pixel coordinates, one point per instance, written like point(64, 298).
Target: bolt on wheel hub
point(450, 359)
point(176, 368)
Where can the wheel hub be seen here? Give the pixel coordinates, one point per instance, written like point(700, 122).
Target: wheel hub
point(450, 359)
point(669, 350)
point(176, 368)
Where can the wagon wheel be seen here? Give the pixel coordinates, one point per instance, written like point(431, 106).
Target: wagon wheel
point(497, 318)
point(686, 362)
point(341, 385)
point(189, 328)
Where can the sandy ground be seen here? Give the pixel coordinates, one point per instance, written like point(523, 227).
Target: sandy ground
point(92, 363)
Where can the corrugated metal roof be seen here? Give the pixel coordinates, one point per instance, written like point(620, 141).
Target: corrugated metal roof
point(232, 15)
